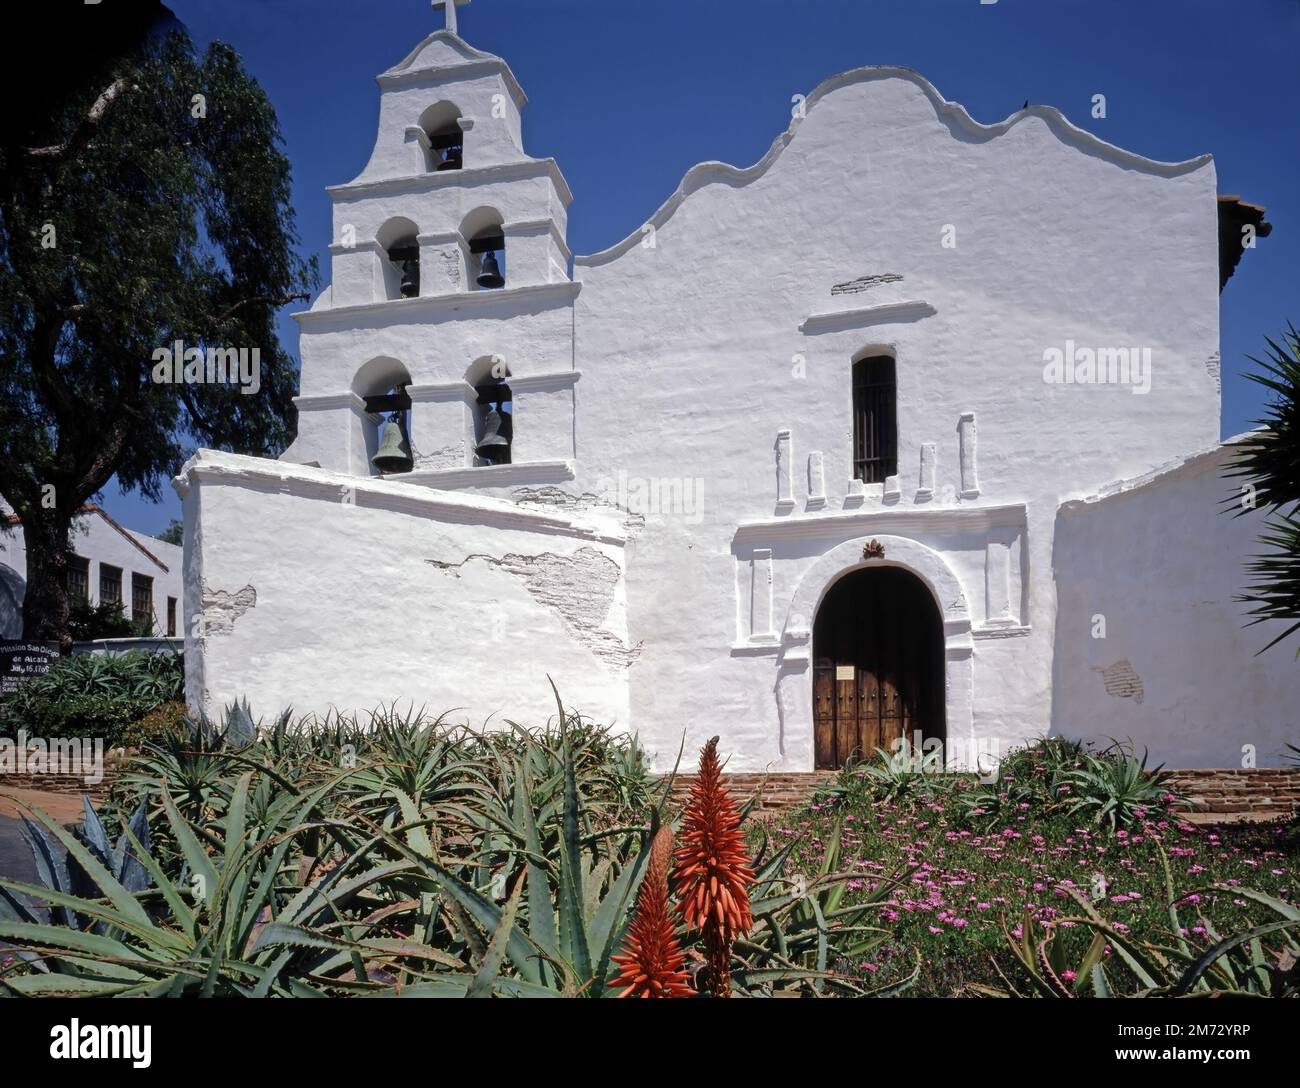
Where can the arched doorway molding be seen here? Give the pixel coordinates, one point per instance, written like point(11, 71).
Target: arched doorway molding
point(794, 683)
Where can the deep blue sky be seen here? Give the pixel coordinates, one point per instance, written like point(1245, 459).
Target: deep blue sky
point(628, 94)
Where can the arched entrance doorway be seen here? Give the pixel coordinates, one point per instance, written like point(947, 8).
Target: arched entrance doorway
point(878, 665)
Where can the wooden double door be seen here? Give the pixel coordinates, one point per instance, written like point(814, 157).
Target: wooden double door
point(877, 665)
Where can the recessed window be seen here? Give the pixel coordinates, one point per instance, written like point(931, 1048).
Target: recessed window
point(78, 578)
point(171, 617)
point(875, 419)
point(142, 602)
point(110, 584)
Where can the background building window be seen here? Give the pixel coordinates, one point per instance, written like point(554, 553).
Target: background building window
point(110, 584)
point(875, 420)
point(78, 578)
point(142, 601)
point(171, 617)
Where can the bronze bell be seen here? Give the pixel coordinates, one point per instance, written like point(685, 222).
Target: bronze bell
point(453, 158)
point(410, 277)
point(393, 455)
point(495, 447)
point(490, 272)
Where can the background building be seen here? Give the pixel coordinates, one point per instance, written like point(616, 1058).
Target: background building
point(109, 565)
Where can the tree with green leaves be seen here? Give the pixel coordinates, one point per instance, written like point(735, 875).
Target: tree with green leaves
point(173, 534)
point(148, 203)
point(1269, 462)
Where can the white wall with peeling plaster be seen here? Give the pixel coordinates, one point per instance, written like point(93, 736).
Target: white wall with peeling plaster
point(337, 593)
point(692, 387)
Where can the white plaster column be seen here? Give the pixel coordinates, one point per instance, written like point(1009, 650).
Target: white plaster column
point(440, 426)
point(421, 153)
point(444, 260)
point(356, 273)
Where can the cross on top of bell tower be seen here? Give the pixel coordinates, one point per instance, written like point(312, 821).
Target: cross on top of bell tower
point(451, 6)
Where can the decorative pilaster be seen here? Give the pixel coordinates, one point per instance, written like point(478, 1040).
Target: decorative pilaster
point(784, 472)
point(925, 483)
point(816, 481)
point(760, 596)
point(997, 584)
point(970, 488)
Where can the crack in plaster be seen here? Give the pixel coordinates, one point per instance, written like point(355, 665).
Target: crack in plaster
point(446, 457)
point(862, 283)
point(558, 497)
point(579, 587)
point(1213, 367)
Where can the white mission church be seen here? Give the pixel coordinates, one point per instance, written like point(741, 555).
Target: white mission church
point(913, 425)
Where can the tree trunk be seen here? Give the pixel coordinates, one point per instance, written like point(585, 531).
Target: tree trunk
point(47, 604)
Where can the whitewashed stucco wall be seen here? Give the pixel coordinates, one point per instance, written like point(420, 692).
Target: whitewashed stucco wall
point(708, 335)
point(338, 593)
point(1154, 565)
point(685, 377)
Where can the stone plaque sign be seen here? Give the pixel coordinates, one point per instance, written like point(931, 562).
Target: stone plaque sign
point(20, 661)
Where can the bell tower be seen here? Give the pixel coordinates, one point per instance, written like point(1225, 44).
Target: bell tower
point(450, 286)
point(449, 157)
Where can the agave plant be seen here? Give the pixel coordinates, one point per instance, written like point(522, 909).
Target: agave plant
point(1116, 786)
point(62, 873)
point(900, 775)
point(262, 868)
point(186, 935)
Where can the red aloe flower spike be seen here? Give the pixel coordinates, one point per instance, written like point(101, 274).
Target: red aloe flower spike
point(651, 964)
point(712, 875)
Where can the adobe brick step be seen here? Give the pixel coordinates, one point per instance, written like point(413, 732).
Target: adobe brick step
point(1264, 793)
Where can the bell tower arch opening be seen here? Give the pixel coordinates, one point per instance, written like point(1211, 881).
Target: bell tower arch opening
point(441, 125)
point(385, 418)
point(492, 411)
point(485, 237)
point(399, 240)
